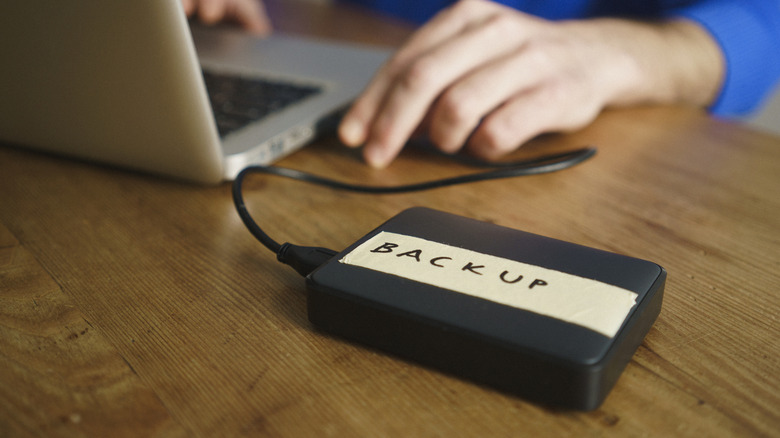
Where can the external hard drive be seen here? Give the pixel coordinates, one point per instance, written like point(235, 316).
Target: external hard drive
point(550, 321)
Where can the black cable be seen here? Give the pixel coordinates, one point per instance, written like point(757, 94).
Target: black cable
point(305, 259)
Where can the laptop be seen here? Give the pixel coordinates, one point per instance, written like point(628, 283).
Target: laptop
point(133, 84)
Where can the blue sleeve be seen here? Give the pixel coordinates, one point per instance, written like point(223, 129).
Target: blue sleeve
point(416, 11)
point(748, 32)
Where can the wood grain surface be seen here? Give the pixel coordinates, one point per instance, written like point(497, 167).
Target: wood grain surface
point(133, 305)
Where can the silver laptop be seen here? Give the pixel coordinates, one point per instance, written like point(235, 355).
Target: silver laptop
point(125, 83)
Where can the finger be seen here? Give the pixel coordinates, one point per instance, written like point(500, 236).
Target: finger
point(354, 127)
point(509, 126)
point(413, 92)
point(550, 107)
point(459, 110)
point(445, 25)
point(211, 11)
point(189, 6)
point(252, 16)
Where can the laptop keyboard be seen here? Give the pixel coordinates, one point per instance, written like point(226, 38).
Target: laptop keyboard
point(238, 101)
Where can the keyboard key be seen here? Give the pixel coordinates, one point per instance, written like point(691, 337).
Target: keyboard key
point(238, 101)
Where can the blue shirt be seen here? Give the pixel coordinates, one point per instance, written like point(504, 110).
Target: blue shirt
point(748, 32)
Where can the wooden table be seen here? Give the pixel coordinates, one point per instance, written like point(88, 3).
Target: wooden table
point(132, 305)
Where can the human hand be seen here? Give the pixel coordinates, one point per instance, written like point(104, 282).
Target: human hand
point(491, 78)
point(250, 14)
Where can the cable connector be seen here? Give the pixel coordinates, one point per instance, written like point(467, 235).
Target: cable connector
point(304, 259)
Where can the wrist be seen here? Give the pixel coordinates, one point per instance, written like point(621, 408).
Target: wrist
point(671, 62)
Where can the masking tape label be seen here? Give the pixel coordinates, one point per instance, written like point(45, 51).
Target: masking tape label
point(586, 302)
